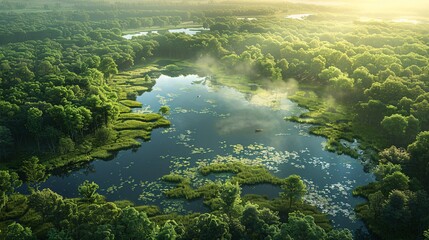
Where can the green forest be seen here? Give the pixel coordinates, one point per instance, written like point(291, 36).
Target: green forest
point(71, 90)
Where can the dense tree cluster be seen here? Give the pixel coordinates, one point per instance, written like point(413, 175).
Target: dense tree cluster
point(397, 205)
point(56, 91)
point(91, 217)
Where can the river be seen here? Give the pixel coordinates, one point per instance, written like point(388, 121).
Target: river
point(209, 121)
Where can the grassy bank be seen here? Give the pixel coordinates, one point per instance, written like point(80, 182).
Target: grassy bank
point(123, 133)
point(129, 127)
point(334, 121)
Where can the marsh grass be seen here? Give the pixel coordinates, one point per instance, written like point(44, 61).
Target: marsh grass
point(133, 124)
point(135, 134)
point(173, 178)
point(122, 108)
point(131, 103)
point(334, 121)
point(148, 117)
point(242, 173)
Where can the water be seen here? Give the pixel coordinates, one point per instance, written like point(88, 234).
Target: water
point(247, 19)
point(138, 34)
point(299, 16)
point(212, 123)
point(188, 31)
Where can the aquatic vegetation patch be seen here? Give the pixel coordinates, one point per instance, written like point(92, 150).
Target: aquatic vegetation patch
point(173, 178)
point(202, 111)
point(244, 174)
point(121, 144)
point(184, 139)
point(200, 150)
point(133, 124)
point(135, 134)
point(327, 198)
point(139, 124)
point(148, 117)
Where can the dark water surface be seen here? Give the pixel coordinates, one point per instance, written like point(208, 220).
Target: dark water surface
point(215, 123)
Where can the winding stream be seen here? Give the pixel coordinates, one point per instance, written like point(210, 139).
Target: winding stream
point(211, 122)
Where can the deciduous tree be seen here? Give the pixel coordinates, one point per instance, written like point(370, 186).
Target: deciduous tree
point(293, 189)
point(16, 231)
point(34, 172)
point(8, 182)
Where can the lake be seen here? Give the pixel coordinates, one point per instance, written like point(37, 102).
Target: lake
point(188, 31)
point(299, 16)
point(212, 122)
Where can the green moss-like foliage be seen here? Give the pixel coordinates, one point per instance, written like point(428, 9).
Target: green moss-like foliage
point(133, 124)
point(244, 174)
point(173, 178)
point(136, 133)
point(122, 108)
point(131, 103)
point(146, 117)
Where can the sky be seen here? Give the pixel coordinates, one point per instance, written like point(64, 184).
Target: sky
point(406, 7)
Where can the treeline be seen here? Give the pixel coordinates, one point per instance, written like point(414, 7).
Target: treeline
point(19, 28)
point(53, 217)
point(398, 203)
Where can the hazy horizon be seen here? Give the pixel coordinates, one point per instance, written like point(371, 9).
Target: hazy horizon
point(407, 7)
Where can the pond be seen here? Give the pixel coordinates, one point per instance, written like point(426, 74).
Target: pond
point(188, 31)
point(211, 121)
